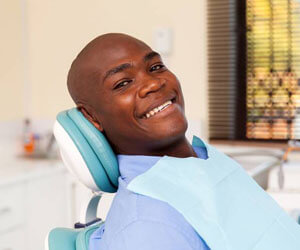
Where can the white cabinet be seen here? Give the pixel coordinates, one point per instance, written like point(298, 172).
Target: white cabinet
point(46, 207)
point(36, 198)
point(14, 240)
point(32, 202)
point(11, 207)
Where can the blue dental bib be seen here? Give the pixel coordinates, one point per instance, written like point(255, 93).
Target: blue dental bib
point(226, 207)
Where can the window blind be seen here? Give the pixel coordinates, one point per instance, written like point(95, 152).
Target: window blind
point(254, 69)
point(222, 70)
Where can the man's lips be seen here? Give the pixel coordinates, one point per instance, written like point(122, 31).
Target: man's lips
point(157, 107)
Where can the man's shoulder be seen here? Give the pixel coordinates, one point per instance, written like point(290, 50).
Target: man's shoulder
point(130, 211)
point(129, 207)
point(133, 216)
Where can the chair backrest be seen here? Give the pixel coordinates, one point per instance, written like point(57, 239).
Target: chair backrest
point(70, 239)
point(88, 155)
point(86, 152)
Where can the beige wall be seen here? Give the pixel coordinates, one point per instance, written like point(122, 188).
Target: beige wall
point(11, 70)
point(58, 29)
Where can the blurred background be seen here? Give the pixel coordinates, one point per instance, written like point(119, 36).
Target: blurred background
point(238, 62)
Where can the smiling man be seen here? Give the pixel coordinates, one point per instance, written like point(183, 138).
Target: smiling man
point(122, 87)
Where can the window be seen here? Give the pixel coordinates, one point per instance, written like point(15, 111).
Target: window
point(254, 69)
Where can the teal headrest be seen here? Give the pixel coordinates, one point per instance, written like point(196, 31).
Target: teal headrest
point(86, 152)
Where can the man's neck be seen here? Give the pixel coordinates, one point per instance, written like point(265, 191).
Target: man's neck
point(180, 149)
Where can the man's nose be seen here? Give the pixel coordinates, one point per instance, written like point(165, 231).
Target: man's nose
point(151, 85)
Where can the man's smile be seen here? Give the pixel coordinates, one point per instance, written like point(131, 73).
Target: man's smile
point(157, 107)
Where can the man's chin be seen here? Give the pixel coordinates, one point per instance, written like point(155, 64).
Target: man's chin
point(169, 131)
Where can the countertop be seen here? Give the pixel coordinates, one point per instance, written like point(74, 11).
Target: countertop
point(13, 169)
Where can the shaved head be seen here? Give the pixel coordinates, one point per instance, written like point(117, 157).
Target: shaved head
point(86, 69)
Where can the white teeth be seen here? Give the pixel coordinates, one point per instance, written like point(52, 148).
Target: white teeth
point(158, 109)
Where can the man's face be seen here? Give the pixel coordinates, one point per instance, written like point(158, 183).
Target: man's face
point(138, 102)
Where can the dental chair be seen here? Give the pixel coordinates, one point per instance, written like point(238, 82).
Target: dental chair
point(87, 154)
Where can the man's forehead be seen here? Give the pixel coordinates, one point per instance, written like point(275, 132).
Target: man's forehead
point(121, 52)
point(103, 54)
point(108, 58)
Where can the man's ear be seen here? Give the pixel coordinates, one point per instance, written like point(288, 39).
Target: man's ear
point(90, 118)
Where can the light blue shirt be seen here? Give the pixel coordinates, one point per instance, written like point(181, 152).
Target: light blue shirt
point(137, 222)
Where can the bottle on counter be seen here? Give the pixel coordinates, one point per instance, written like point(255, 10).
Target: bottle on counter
point(28, 137)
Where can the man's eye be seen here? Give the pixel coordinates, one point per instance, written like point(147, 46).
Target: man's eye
point(122, 84)
point(157, 67)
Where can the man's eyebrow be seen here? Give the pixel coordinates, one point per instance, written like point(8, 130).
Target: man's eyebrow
point(150, 55)
point(117, 70)
point(124, 66)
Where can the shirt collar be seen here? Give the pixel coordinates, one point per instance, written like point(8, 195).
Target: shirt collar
point(131, 166)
